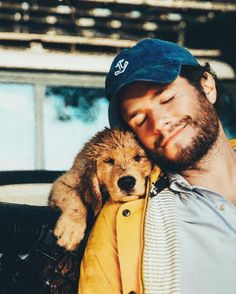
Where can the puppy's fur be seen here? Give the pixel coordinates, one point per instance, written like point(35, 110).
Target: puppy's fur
point(112, 163)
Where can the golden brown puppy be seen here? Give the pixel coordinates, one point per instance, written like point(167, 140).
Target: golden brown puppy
point(111, 163)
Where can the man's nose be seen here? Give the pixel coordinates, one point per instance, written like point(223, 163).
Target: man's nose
point(160, 122)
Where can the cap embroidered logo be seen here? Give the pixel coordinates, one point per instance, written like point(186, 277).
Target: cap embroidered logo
point(121, 64)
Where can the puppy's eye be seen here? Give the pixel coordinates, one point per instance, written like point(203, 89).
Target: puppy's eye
point(109, 160)
point(137, 157)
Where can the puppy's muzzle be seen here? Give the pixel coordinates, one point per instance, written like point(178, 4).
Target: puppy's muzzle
point(126, 183)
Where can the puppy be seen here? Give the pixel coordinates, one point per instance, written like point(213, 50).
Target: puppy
point(112, 164)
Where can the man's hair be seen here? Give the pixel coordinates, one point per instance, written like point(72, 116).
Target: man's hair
point(194, 75)
point(224, 105)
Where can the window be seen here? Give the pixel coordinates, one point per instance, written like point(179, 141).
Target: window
point(72, 115)
point(47, 118)
point(17, 125)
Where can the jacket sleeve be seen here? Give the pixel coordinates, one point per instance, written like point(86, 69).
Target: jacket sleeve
point(100, 272)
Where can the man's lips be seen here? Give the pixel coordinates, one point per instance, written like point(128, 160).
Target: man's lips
point(173, 134)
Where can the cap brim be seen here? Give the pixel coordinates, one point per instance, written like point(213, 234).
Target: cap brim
point(161, 74)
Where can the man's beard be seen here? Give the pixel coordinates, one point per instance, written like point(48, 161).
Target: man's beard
point(206, 125)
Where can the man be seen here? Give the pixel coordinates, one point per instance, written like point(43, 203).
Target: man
point(182, 239)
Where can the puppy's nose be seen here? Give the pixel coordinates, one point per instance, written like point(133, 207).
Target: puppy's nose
point(126, 183)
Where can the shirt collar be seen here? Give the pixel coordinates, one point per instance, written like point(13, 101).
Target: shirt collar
point(179, 183)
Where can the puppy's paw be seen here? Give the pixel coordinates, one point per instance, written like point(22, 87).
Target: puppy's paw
point(69, 233)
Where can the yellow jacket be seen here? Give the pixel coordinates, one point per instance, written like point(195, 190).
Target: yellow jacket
point(112, 260)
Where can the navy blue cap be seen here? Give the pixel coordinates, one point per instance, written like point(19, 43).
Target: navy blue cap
point(150, 60)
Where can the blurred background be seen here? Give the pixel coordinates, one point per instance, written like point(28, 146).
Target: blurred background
point(54, 55)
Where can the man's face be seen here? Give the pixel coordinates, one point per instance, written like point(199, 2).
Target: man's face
point(175, 123)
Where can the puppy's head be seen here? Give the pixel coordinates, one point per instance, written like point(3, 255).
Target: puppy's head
point(118, 164)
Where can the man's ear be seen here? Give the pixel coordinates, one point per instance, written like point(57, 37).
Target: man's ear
point(209, 87)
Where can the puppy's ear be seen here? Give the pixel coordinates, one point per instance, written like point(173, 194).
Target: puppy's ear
point(89, 187)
